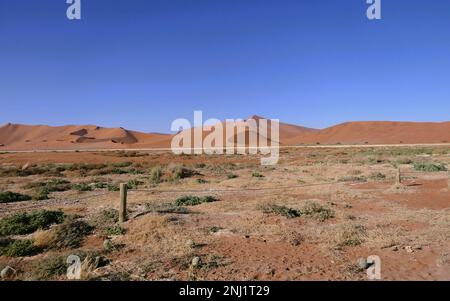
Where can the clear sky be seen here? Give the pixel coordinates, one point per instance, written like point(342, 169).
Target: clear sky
point(140, 64)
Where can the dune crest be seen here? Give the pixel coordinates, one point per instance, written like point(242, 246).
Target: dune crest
point(43, 137)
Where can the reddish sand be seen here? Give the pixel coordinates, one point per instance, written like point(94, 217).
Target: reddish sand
point(41, 137)
point(378, 132)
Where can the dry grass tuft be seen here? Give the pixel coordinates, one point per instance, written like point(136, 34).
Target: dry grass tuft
point(44, 239)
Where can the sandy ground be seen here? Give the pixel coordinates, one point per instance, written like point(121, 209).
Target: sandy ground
point(236, 237)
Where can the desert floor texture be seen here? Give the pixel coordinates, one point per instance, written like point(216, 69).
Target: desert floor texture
point(196, 217)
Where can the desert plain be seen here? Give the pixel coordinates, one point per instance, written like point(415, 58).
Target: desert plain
point(311, 217)
point(316, 215)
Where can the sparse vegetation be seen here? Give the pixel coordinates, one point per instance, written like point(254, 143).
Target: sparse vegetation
point(165, 234)
point(113, 187)
point(50, 267)
point(11, 197)
point(256, 174)
point(82, 187)
point(115, 230)
point(316, 211)
point(134, 184)
point(16, 248)
point(156, 174)
point(190, 200)
point(167, 208)
point(310, 209)
point(281, 210)
point(430, 167)
point(71, 234)
point(350, 235)
point(26, 223)
point(51, 186)
point(41, 194)
point(353, 179)
point(377, 176)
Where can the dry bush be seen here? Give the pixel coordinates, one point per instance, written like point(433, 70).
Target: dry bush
point(44, 239)
point(158, 237)
point(349, 235)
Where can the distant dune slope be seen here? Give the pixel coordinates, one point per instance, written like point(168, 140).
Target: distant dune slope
point(42, 137)
point(377, 132)
point(286, 131)
point(38, 137)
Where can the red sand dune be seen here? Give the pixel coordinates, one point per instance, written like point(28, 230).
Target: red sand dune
point(41, 137)
point(287, 131)
point(378, 132)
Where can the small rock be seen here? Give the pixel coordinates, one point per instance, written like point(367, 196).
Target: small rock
point(394, 248)
point(409, 249)
point(7, 273)
point(26, 165)
point(362, 263)
point(107, 244)
point(196, 261)
point(190, 243)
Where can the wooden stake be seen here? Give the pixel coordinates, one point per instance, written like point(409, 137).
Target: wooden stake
point(449, 181)
point(398, 177)
point(123, 203)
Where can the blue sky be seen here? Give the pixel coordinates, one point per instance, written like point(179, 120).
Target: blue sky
point(140, 64)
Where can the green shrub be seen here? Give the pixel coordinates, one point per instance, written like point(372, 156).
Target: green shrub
point(100, 185)
point(180, 172)
point(353, 179)
point(429, 167)
point(115, 230)
point(82, 187)
point(156, 174)
point(26, 223)
point(190, 200)
point(167, 208)
point(257, 175)
point(317, 211)
point(17, 248)
point(11, 197)
point(350, 235)
point(51, 186)
point(134, 184)
point(71, 234)
point(377, 176)
point(50, 267)
point(41, 194)
point(55, 265)
point(231, 176)
point(281, 210)
point(123, 164)
point(113, 187)
point(201, 181)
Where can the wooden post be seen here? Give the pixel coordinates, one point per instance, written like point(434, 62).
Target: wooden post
point(123, 203)
point(448, 181)
point(398, 177)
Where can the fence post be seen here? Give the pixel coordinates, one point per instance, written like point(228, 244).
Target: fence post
point(448, 181)
point(123, 203)
point(398, 177)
